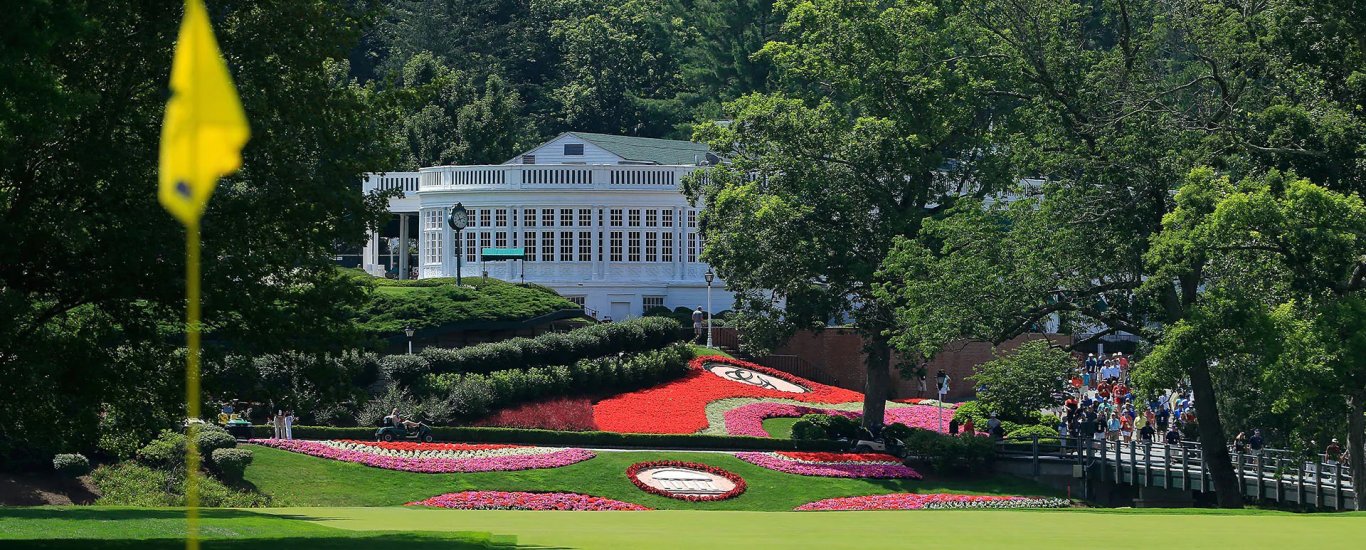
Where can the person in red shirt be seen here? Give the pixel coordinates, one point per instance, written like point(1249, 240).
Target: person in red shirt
point(1103, 390)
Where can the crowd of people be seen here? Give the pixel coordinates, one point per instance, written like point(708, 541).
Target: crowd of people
point(1102, 405)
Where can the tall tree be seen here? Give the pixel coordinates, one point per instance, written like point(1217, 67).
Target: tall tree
point(885, 127)
point(91, 287)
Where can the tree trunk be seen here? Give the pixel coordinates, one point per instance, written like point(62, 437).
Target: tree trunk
point(1356, 444)
point(1212, 441)
point(875, 387)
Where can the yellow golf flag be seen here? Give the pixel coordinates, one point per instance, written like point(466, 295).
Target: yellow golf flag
point(205, 128)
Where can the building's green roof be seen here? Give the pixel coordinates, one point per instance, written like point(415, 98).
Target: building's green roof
point(641, 149)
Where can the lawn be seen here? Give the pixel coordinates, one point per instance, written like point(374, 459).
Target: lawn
point(73, 527)
point(345, 528)
point(780, 428)
point(299, 480)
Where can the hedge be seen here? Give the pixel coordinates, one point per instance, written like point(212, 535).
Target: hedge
point(71, 465)
point(579, 439)
point(475, 395)
point(557, 348)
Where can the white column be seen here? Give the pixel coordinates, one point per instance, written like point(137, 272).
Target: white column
point(601, 258)
point(403, 246)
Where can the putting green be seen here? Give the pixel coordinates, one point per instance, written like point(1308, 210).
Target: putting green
point(958, 529)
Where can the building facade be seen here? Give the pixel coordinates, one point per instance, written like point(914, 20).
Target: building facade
point(598, 218)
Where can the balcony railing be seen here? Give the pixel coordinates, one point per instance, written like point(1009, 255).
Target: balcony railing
point(558, 176)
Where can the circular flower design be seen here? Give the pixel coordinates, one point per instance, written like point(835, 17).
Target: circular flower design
point(694, 488)
point(517, 500)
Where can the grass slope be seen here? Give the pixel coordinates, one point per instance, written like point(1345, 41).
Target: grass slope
point(80, 527)
point(780, 428)
point(293, 479)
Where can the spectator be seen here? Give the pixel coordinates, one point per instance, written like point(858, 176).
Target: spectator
point(1146, 433)
point(968, 428)
point(1240, 443)
point(697, 317)
point(923, 370)
point(289, 425)
point(1254, 443)
point(993, 423)
point(1173, 436)
point(278, 421)
point(953, 426)
point(1333, 453)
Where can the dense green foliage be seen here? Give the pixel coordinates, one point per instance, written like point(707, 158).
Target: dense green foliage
point(71, 464)
point(1019, 384)
point(473, 395)
point(556, 348)
point(950, 455)
point(135, 484)
point(825, 426)
point(230, 463)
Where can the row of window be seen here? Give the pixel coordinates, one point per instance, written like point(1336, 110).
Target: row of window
point(564, 217)
point(571, 246)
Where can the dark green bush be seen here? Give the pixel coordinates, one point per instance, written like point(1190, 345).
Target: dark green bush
point(948, 454)
point(556, 348)
point(826, 426)
point(405, 369)
point(71, 465)
point(580, 439)
point(231, 463)
point(1026, 432)
point(475, 395)
point(166, 451)
point(211, 437)
point(133, 484)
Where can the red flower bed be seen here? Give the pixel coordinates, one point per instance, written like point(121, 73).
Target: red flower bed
point(565, 413)
point(679, 407)
point(637, 467)
point(839, 457)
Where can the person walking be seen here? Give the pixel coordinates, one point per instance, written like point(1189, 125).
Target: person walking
point(1255, 443)
point(968, 428)
point(1240, 443)
point(953, 426)
point(289, 425)
point(697, 318)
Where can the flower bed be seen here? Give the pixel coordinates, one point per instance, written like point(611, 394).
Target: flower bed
point(869, 465)
point(933, 501)
point(635, 469)
point(517, 500)
point(565, 413)
point(680, 406)
point(435, 457)
point(925, 417)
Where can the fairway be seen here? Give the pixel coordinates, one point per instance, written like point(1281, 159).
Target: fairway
point(957, 529)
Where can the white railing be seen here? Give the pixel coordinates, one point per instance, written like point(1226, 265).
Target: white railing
point(409, 182)
point(533, 176)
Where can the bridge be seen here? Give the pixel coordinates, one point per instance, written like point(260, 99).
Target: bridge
point(1162, 472)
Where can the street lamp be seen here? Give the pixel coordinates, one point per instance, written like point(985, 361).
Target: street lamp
point(409, 331)
point(458, 220)
point(709, 276)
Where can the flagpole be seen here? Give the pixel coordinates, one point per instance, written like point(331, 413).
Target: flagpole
point(192, 458)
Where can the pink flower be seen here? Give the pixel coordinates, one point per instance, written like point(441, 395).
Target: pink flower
point(516, 500)
point(833, 465)
point(436, 460)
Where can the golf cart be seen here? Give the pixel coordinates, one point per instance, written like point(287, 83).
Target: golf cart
point(398, 432)
point(866, 442)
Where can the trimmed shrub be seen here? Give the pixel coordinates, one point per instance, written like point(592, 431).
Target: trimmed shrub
point(71, 465)
point(165, 452)
point(825, 426)
point(948, 454)
point(1026, 432)
point(210, 439)
point(566, 348)
point(475, 395)
point(231, 463)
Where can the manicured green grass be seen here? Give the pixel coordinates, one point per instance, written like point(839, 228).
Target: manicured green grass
point(699, 350)
point(956, 529)
point(780, 428)
point(428, 303)
point(75, 527)
point(293, 479)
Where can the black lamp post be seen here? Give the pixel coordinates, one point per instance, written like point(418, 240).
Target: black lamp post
point(709, 276)
point(458, 220)
point(409, 331)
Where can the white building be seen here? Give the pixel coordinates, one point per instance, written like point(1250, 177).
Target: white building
point(598, 218)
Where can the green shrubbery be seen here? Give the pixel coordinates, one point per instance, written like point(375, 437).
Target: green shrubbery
point(427, 303)
point(556, 348)
point(134, 484)
point(475, 395)
point(231, 463)
point(948, 454)
point(71, 465)
point(168, 449)
point(825, 426)
point(1045, 433)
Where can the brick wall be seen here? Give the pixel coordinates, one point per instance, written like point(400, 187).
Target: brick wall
point(838, 355)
